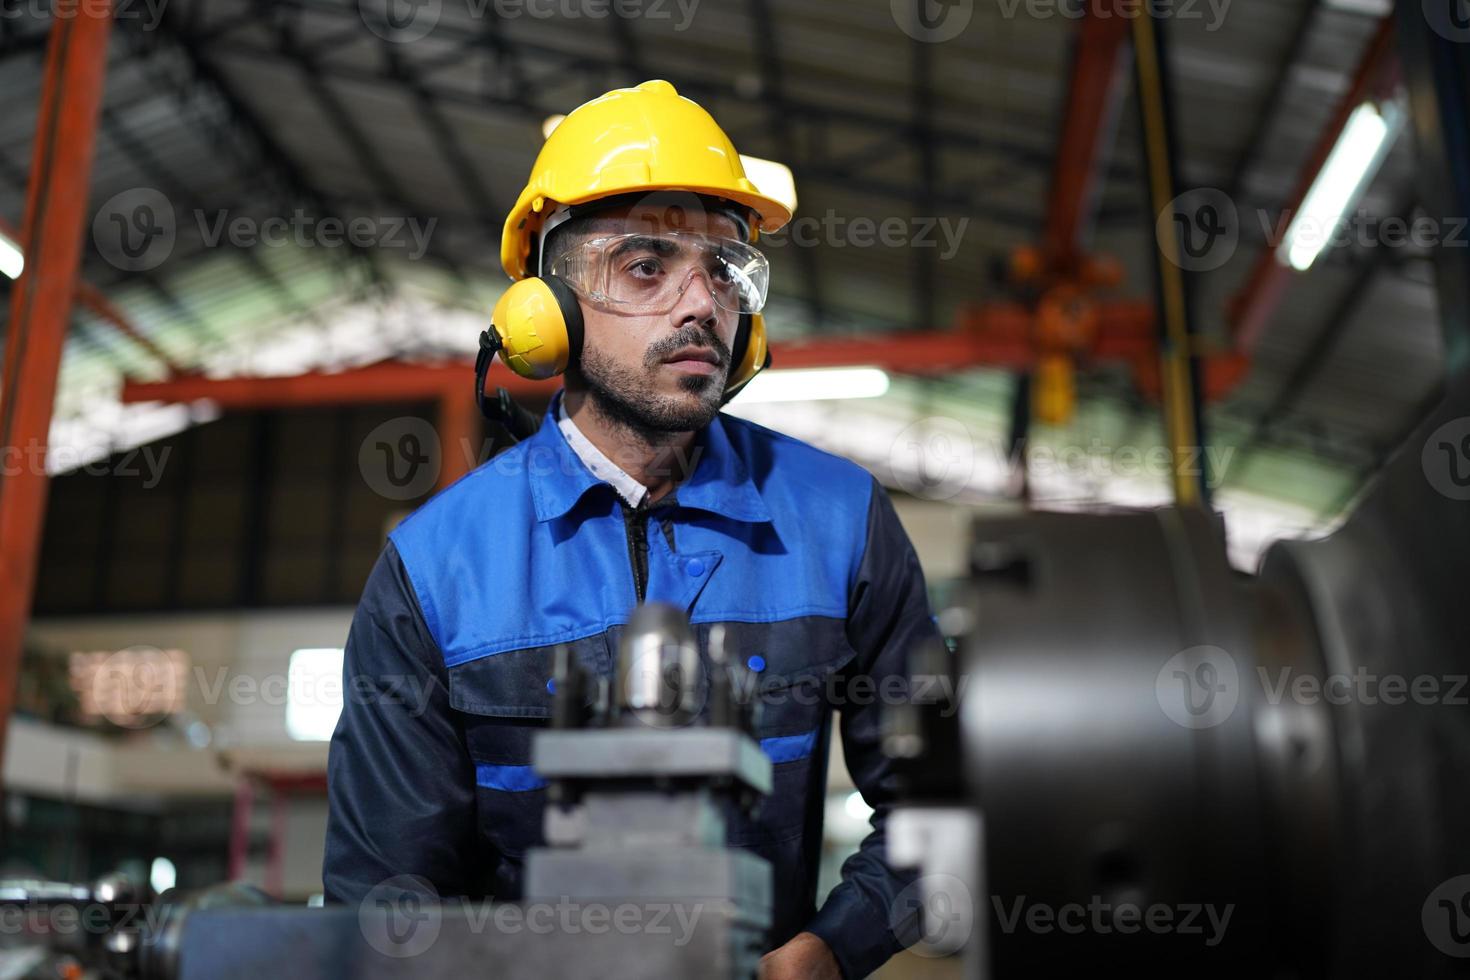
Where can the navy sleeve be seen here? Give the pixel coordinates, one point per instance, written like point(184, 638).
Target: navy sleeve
point(400, 783)
point(888, 615)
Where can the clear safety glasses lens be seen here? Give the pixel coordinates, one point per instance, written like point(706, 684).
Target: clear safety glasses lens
point(648, 274)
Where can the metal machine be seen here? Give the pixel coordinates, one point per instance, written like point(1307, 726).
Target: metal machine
point(636, 880)
point(1141, 760)
point(1279, 768)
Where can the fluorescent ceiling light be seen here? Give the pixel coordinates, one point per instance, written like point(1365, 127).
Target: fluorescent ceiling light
point(1368, 8)
point(771, 179)
point(1350, 167)
point(12, 259)
point(813, 385)
point(550, 123)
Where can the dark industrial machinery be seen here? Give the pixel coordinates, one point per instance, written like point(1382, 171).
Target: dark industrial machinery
point(1276, 770)
point(1138, 759)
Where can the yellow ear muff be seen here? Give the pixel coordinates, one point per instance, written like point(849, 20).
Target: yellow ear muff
point(752, 353)
point(539, 324)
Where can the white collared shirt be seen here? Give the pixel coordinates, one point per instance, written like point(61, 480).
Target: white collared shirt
point(595, 460)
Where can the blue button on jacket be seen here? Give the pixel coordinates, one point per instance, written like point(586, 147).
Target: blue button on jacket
point(797, 552)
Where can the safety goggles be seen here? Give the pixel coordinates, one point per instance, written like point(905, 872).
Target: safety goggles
point(647, 274)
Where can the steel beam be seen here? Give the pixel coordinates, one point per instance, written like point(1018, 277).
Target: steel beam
point(1094, 94)
point(926, 160)
point(995, 335)
point(267, 159)
point(100, 306)
point(773, 89)
point(458, 424)
point(469, 39)
point(1252, 307)
point(1268, 106)
point(347, 126)
point(1180, 369)
point(40, 308)
point(148, 162)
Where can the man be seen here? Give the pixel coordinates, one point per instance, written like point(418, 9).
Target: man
point(637, 278)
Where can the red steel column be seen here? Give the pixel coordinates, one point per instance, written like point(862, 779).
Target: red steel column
point(61, 166)
point(1086, 142)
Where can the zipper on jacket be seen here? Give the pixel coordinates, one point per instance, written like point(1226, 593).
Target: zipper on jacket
point(635, 520)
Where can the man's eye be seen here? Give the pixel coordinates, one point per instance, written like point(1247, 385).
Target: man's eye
point(646, 267)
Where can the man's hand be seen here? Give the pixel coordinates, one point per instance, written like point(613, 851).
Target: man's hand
point(805, 957)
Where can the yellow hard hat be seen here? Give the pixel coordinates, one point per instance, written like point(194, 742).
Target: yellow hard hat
point(646, 138)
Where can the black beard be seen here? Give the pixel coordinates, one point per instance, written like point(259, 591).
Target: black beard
point(622, 397)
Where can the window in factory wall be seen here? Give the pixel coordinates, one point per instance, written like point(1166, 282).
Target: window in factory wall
point(313, 693)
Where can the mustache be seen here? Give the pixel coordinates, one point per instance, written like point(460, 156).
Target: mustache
point(687, 337)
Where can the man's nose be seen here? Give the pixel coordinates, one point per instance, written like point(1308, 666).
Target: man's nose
point(696, 303)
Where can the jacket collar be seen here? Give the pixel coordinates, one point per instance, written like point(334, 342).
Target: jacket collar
point(720, 483)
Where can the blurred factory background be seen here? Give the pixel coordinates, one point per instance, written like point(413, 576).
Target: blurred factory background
point(289, 244)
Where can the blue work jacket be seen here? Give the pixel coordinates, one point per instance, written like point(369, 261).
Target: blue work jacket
point(798, 552)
